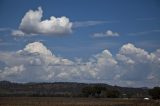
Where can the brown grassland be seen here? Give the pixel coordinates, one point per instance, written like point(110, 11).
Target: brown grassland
point(62, 101)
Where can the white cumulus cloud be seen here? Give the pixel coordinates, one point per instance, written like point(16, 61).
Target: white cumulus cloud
point(37, 48)
point(131, 66)
point(135, 53)
point(15, 70)
point(32, 23)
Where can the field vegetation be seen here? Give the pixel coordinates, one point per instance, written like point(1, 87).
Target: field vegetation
point(64, 101)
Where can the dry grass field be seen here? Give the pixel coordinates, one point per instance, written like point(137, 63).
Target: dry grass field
point(55, 101)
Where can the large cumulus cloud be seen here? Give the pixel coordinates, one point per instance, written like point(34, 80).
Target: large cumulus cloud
point(32, 24)
point(131, 66)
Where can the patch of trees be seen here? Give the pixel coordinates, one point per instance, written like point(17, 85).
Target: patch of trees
point(155, 93)
point(100, 91)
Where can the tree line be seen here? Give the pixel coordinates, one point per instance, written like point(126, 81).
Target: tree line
point(100, 91)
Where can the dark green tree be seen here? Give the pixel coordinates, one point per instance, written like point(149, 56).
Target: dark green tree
point(93, 91)
point(155, 93)
point(97, 90)
point(87, 91)
point(112, 93)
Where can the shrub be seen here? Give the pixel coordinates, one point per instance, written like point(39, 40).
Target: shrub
point(155, 92)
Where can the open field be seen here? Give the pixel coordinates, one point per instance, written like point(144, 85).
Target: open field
point(61, 101)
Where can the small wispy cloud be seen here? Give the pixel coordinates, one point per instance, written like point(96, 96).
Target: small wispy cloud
point(144, 32)
point(89, 23)
point(3, 43)
point(149, 44)
point(5, 29)
point(13, 32)
point(146, 19)
point(108, 33)
point(17, 33)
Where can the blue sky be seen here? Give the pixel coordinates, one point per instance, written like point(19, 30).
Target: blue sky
point(94, 26)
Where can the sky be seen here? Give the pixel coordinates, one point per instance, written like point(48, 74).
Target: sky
point(115, 42)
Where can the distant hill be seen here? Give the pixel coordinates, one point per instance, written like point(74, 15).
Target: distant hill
point(61, 89)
